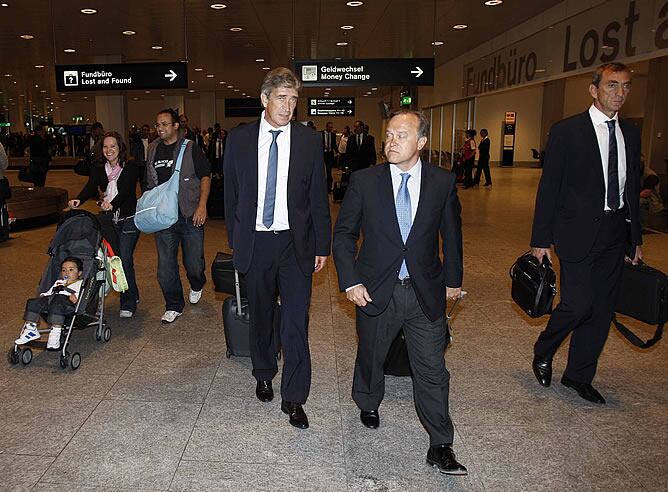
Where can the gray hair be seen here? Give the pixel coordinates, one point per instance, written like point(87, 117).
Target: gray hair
point(280, 77)
point(423, 128)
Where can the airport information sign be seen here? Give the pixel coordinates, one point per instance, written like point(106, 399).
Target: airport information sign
point(331, 106)
point(122, 76)
point(372, 71)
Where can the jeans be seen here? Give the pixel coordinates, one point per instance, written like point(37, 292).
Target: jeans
point(191, 238)
point(128, 235)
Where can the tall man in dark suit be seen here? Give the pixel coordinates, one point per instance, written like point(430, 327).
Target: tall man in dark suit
point(361, 150)
point(396, 278)
point(329, 149)
point(590, 185)
point(278, 224)
point(483, 159)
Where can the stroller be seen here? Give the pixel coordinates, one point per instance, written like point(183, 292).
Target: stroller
point(77, 234)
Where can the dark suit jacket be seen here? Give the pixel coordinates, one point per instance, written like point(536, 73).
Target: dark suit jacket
point(369, 206)
point(483, 150)
point(571, 193)
point(216, 164)
point(360, 157)
point(308, 205)
point(126, 200)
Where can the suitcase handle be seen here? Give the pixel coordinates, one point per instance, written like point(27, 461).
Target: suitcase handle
point(237, 291)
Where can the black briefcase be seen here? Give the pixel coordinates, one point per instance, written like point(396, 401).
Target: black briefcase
point(534, 285)
point(222, 273)
point(643, 295)
point(396, 361)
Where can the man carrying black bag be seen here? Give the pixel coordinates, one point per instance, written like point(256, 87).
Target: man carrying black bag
point(589, 188)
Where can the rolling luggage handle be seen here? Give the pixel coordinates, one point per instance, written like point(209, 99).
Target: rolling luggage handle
point(237, 291)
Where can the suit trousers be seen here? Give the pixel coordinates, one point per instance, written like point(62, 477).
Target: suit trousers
point(588, 295)
point(274, 270)
point(483, 166)
point(330, 162)
point(425, 341)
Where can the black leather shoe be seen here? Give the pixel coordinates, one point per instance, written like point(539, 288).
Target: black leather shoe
point(443, 458)
point(296, 413)
point(370, 419)
point(542, 369)
point(585, 390)
point(264, 391)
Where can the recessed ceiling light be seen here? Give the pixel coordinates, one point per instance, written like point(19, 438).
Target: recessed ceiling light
point(156, 47)
point(43, 91)
point(191, 90)
point(210, 75)
point(266, 68)
point(236, 29)
point(135, 99)
point(221, 82)
point(354, 4)
point(460, 26)
point(346, 28)
point(492, 3)
point(236, 90)
point(365, 95)
point(438, 43)
point(88, 11)
point(147, 92)
point(27, 36)
point(259, 60)
point(247, 96)
point(198, 69)
point(342, 43)
point(374, 88)
point(85, 97)
point(3, 5)
point(69, 50)
point(8, 75)
point(218, 6)
point(36, 86)
point(230, 86)
point(39, 66)
point(243, 93)
point(129, 33)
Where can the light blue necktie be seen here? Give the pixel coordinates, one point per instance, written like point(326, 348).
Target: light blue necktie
point(270, 190)
point(403, 205)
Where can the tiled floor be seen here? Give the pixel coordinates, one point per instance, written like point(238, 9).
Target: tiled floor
point(160, 407)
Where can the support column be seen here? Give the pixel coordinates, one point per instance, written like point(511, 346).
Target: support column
point(20, 111)
point(207, 109)
point(112, 112)
point(553, 107)
point(655, 128)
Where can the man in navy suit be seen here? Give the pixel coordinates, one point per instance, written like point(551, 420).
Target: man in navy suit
point(396, 277)
point(330, 150)
point(278, 225)
point(361, 150)
point(589, 190)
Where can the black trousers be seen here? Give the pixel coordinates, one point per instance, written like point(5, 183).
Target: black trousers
point(425, 341)
point(330, 162)
point(56, 307)
point(274, 270)
point(588, 294)
point(483, 166)
point(468, 172)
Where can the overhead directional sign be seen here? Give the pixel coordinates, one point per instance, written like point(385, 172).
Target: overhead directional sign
point(372, 71)
point(331, 106)
point(122, 76)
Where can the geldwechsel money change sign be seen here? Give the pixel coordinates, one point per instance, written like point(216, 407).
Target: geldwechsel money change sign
point(122, 76)
point(371, 71)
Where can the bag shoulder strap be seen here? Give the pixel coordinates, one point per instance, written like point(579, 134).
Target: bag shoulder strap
point(174, 179)
point(634, 339)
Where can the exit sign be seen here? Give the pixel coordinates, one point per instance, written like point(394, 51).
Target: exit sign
point(5, 125)
point(406, 100)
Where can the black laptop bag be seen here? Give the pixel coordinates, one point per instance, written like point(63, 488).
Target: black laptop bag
point(534, 285)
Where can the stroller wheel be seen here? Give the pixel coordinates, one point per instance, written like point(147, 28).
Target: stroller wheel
point(106, 335)
point(26, 356)
point(14, 355)
point(76, 361)
point(64, 360)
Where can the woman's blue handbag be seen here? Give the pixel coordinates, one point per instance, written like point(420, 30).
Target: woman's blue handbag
point(158, 208)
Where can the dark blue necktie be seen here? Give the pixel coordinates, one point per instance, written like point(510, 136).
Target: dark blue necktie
point(404, 216)
point(270, 190)
point(613, 173)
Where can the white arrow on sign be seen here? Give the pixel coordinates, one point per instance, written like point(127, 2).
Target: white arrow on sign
point(350, 101)
point(418, 71)
point(171, 75)
point(350, 111)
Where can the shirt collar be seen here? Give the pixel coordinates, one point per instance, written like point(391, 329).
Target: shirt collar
point(265, 127)
point(414, 171)
point(600, 118)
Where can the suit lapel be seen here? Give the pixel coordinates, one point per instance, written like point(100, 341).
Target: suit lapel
point(591, 146)
point(253, 135)
point(386, 194)
point(293, 169)
point(425, 190)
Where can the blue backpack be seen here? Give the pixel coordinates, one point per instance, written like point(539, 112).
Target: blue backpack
point(158, 208)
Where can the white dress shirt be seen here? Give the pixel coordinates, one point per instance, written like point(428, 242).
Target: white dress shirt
point(264, 139)
point(602, 135)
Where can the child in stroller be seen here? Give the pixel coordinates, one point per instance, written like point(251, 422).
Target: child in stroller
point(56, 303)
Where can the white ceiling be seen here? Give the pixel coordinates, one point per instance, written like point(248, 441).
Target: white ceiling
point(275, 30)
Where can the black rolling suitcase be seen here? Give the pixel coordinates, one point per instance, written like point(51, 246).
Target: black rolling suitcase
point(222, 273)
point(396, 361)
point(236, 324)
point(643, 295)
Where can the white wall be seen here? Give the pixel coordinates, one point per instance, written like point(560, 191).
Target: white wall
point(527, 103)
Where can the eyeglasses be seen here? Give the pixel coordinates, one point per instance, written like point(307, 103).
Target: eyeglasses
point(163, 124)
